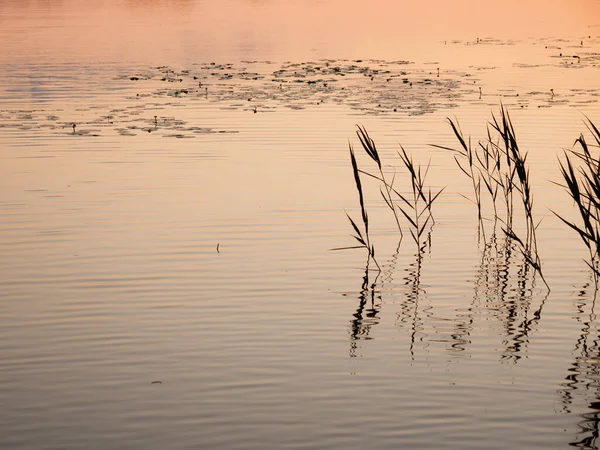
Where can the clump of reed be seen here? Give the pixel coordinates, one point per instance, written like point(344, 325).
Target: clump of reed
point(415, 206)
point(497, 168)
point(582, 182)
point(387, 188)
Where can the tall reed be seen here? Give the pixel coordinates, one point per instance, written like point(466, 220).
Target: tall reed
point(498, 167)
point(582, 182)
point(362, 237)
point(388, 187)
point(416, 206)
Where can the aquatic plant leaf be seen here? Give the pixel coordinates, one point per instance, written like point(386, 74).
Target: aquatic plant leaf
point(586, 237)
point(412, 222)
point(356, 229)
point(347, 248)
point(360, 240)
point(431, 200)
point(461, 168)
point(360, 192)
point(458, 133)
point(385, 198)
point(593, 129)
point(420, 232)
point(368, 145)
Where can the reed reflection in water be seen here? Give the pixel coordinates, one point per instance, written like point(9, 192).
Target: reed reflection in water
point(178, 232)
point(581, 389)
point(505, 286)
point(505, 291)
point(367, 312)
point(411, 309)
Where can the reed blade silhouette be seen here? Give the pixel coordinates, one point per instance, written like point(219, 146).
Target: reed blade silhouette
point(497, 166)
point(361, 236)
point(582, 183)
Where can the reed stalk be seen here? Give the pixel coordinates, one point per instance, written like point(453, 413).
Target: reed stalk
point(582, 182)
point(417, 206)
point(362, 237)
point(388, 189)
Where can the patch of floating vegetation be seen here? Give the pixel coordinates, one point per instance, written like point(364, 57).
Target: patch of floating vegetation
point(370, 86)
point(367, 86)
point(128, 121)
point(573, 53)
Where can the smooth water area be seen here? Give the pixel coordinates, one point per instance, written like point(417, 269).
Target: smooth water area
point(174, 175)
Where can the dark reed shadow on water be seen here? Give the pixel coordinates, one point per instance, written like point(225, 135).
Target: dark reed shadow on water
point(589, 430)
point(388, 270)
point(505, 290)
point(581, 173)
point(366, 315)
point(414, 311)
point(580, 391)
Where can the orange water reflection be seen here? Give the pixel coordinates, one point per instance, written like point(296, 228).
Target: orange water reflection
point(138, 29)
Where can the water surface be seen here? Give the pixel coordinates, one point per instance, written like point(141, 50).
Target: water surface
point(167, 274)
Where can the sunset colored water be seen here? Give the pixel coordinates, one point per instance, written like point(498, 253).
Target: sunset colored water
point(175, 174)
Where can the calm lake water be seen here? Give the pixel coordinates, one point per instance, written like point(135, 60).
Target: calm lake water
point(174, 174)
